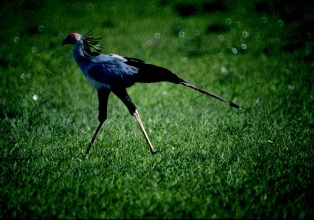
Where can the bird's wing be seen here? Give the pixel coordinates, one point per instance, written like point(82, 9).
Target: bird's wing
point(112, 70)
point(118, 71)
point(151, 73)
point(134, 62)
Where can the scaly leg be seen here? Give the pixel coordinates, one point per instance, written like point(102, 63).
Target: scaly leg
point(94, 136)
point(103, 95)
point(138, 119)
point(124, 97)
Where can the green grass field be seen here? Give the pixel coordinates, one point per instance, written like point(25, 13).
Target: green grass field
point(213, 162)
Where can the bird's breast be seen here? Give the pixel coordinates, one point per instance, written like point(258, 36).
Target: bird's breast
point(92, 80)
point(95, 83)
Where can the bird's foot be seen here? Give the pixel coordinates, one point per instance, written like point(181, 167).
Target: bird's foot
point(154, 152)
point(88, 148)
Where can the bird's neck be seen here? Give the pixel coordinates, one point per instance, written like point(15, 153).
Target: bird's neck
point(78, 52)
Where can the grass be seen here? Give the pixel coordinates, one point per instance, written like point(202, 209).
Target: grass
point(214, 161)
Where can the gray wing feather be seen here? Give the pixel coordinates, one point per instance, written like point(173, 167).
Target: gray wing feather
point(111, 70)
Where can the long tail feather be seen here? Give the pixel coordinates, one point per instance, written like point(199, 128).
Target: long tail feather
point(209, 94)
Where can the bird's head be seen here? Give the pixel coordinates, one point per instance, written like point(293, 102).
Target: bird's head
point(72, 39)
point(88, 43)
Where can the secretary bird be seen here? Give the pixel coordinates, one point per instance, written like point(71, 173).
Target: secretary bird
point(114, 73)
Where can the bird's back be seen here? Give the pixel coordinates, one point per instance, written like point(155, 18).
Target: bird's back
point(109, 71)
point(118, 71)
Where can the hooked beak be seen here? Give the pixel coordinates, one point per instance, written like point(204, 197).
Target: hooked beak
point(68, 40)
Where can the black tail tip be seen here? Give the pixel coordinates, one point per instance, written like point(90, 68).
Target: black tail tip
point(234, 105)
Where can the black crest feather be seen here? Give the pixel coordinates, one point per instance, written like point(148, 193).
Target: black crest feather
point(91, 43)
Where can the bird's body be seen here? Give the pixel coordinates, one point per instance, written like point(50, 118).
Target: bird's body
point(114, 73)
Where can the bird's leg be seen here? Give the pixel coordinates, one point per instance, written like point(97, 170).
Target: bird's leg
point(124, 97)
point(94, 136)
point(103, 95)
point(138, 119)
